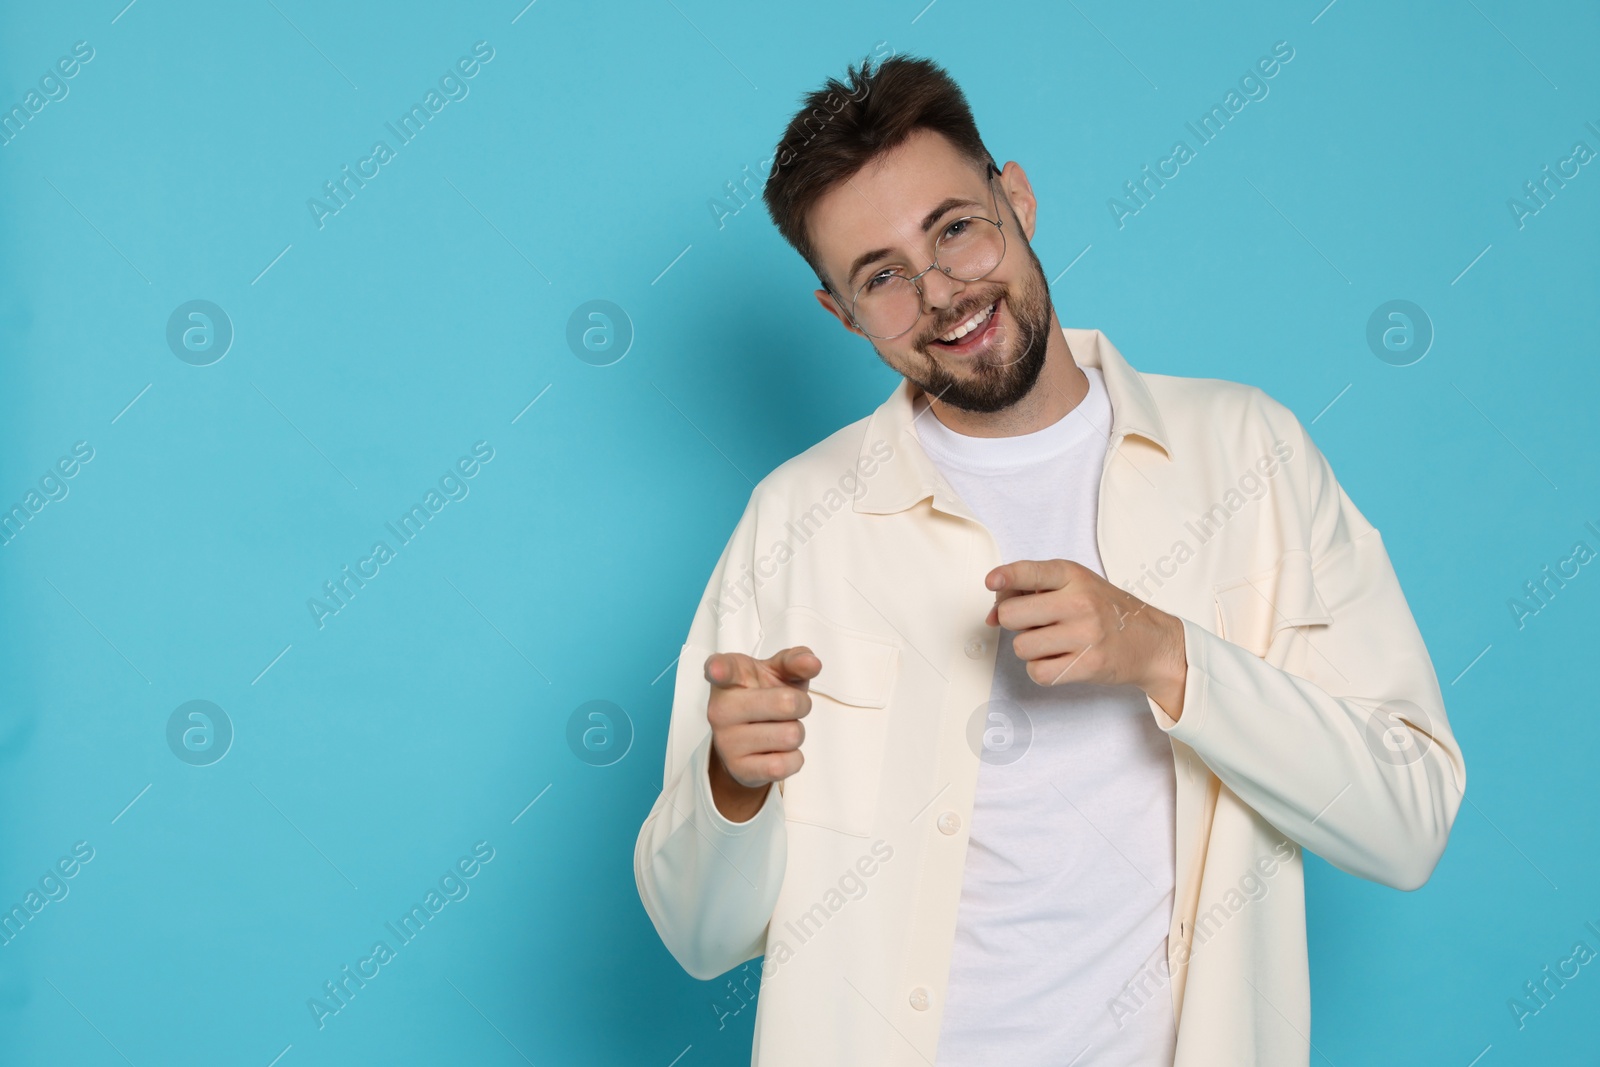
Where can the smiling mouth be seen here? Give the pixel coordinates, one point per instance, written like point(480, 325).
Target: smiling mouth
point(972, 332)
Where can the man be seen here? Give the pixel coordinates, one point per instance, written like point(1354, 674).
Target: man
point(1056, 665)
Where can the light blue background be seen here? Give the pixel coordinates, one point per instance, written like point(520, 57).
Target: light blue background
point(428, 313)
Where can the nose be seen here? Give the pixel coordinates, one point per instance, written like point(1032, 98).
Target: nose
point(939, 290)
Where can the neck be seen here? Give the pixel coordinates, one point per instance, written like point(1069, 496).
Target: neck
point(1061, 387)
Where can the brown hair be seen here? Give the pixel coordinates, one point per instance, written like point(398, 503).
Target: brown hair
point(844, 125)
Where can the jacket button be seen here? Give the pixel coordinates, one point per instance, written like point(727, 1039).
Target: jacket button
point(949, 822)
point(974, 648)
point(919, 998)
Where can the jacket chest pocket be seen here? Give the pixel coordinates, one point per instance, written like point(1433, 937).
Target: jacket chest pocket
point(1252, 609)
point(846, 729)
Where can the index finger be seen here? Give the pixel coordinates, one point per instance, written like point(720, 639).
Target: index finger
point(1028, 576)
point(797, 664)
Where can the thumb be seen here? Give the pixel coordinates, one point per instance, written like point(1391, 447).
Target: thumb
point(797, 664)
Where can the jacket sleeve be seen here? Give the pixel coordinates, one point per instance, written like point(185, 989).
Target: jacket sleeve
point(1353, 756)
point(709, 884)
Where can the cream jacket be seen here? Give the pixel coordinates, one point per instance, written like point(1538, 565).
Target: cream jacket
point(1312, 718)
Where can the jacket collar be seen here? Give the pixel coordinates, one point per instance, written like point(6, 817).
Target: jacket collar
point(909, 476)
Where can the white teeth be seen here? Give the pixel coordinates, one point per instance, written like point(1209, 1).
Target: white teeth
point(971, 324)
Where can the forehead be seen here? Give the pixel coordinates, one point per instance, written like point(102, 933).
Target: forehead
point(883, 204)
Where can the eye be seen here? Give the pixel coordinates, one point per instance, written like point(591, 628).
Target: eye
point(877, 280)
point(957, 228)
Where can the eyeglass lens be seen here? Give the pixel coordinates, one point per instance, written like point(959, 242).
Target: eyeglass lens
point(888, 304)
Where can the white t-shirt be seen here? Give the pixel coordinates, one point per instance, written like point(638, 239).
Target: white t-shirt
point(1067, 893)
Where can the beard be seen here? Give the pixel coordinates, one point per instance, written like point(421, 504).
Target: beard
point(1009, 369)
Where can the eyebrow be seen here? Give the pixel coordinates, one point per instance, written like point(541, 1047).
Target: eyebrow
point(943, 208)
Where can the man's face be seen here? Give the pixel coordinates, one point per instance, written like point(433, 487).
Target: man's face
point(894, 204)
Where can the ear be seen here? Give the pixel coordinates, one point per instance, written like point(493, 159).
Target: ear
point(1014, 182)
point(830, 305)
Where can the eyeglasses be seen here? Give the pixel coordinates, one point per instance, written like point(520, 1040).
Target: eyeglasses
point(889, 303)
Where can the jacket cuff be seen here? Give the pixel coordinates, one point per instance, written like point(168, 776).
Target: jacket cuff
point(1191, 719)
point(700, 770)
point(709, 884)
